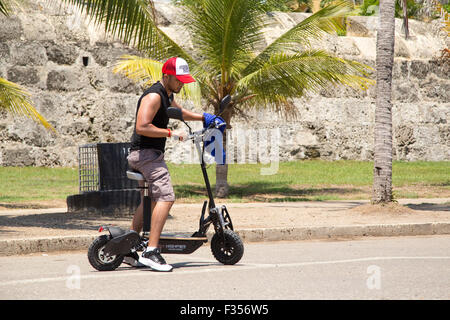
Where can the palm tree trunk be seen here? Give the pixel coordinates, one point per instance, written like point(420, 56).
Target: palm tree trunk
point(405, 18)
point(382, 182)
point(222, 187)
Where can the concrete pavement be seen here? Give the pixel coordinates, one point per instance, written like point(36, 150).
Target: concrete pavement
point(45, 230)
point(372, 268)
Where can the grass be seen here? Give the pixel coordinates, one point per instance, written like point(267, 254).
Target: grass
point(24, 184)
point(294, 181)
point(315, 180)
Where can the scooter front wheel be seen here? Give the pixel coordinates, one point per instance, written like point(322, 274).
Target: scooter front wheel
point(98, 259)
point(227, 248)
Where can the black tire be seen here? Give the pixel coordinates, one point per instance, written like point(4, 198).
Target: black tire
point(98, 260)
point(229, 252)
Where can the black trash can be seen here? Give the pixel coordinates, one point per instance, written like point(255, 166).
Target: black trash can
point(113, 165)
point(103, 184)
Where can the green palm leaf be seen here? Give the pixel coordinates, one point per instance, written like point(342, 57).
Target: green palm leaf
point(327, 20)
point(133, 22)
point(4, 9)
point(226, 32)
point(17, 101)
point(285, 76)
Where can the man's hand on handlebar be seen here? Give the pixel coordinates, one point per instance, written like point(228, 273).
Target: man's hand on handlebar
point(179, 135)
point(212, 121)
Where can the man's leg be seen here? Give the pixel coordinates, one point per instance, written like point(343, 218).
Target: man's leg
point(159, 216)
point(136, 225)
point(138, 218)
point(151, 257)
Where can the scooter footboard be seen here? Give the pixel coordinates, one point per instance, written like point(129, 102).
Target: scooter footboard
point(180, 245)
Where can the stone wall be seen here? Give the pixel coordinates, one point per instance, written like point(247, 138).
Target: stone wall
point(66, 65)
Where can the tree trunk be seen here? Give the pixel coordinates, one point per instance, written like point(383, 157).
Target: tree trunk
point(382, 182)
point(222, 187)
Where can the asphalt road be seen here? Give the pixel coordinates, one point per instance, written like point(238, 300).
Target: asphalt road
point(374, 268)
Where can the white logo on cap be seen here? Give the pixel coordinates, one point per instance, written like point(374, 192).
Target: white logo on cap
point(181, 67)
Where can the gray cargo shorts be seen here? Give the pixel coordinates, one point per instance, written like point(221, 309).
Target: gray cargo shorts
point(150, 162)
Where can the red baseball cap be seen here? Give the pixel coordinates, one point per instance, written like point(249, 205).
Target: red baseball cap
point(179, 68)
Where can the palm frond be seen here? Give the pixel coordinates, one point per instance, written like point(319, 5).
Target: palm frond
point(149, 71)
point(133, 22)
point(226, 32)
point(4, 7)
point(8, 6)
point(285, 76)
point(328, 19)
point(17, 101)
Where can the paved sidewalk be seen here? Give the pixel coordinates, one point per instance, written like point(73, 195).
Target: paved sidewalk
point(43, 230)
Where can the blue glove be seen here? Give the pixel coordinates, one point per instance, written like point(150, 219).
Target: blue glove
point(209, 118)
point(219, 124)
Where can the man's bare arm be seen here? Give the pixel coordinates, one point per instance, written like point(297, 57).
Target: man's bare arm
point(188, 115)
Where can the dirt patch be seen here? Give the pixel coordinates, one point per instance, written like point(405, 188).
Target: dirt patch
point(290, 193)
point(39, 204)
point(392, 208)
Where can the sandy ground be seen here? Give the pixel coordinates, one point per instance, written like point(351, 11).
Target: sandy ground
point(30, 223)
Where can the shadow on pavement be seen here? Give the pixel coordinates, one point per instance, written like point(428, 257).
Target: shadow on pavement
point(430, 206)
point(63, 220)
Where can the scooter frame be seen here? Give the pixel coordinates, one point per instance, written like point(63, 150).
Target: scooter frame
point(226, 245)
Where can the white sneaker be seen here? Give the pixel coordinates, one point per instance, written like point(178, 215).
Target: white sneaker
point(154, 260)
point(132, 259)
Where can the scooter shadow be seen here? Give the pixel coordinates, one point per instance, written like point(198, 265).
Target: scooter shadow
point(191, 264)
point(177, 265)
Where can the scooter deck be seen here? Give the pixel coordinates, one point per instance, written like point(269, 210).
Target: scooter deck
point(181, 236)
point(180, 243)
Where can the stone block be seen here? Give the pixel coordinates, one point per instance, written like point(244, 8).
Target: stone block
point(17, 157)
point(400, 69)
point(37, 26)
point(400, 49)
point(342, 46)
point(23, 75)
point(10, 28)
point(440, 68)
point(419, 69)
point(31, 133)
point(106, 54)
point(406, 91)
point(28, 54)
point(61, 53)
point(120, 83)
point(358, 26)
point(367, 47)
point(4, 53)
point(436, 90)
point(444, 134)
point(65, 80)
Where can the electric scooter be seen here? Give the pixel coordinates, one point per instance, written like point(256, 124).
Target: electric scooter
point(106, 252)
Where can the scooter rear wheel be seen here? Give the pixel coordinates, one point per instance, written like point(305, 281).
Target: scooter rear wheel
point(229, 251)
point(98, 259)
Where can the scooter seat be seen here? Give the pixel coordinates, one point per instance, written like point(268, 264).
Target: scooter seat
point(135, 175)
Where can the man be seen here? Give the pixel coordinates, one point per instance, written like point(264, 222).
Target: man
point(147, 154)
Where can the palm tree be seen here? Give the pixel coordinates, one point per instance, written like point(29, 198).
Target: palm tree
point(225, 36)
point(14, 98)
point(382, 182)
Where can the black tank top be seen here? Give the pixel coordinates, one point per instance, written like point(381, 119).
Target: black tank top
point(160, 120)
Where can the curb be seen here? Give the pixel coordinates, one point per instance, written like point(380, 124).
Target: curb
point(48, 244)
point(316, 233)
